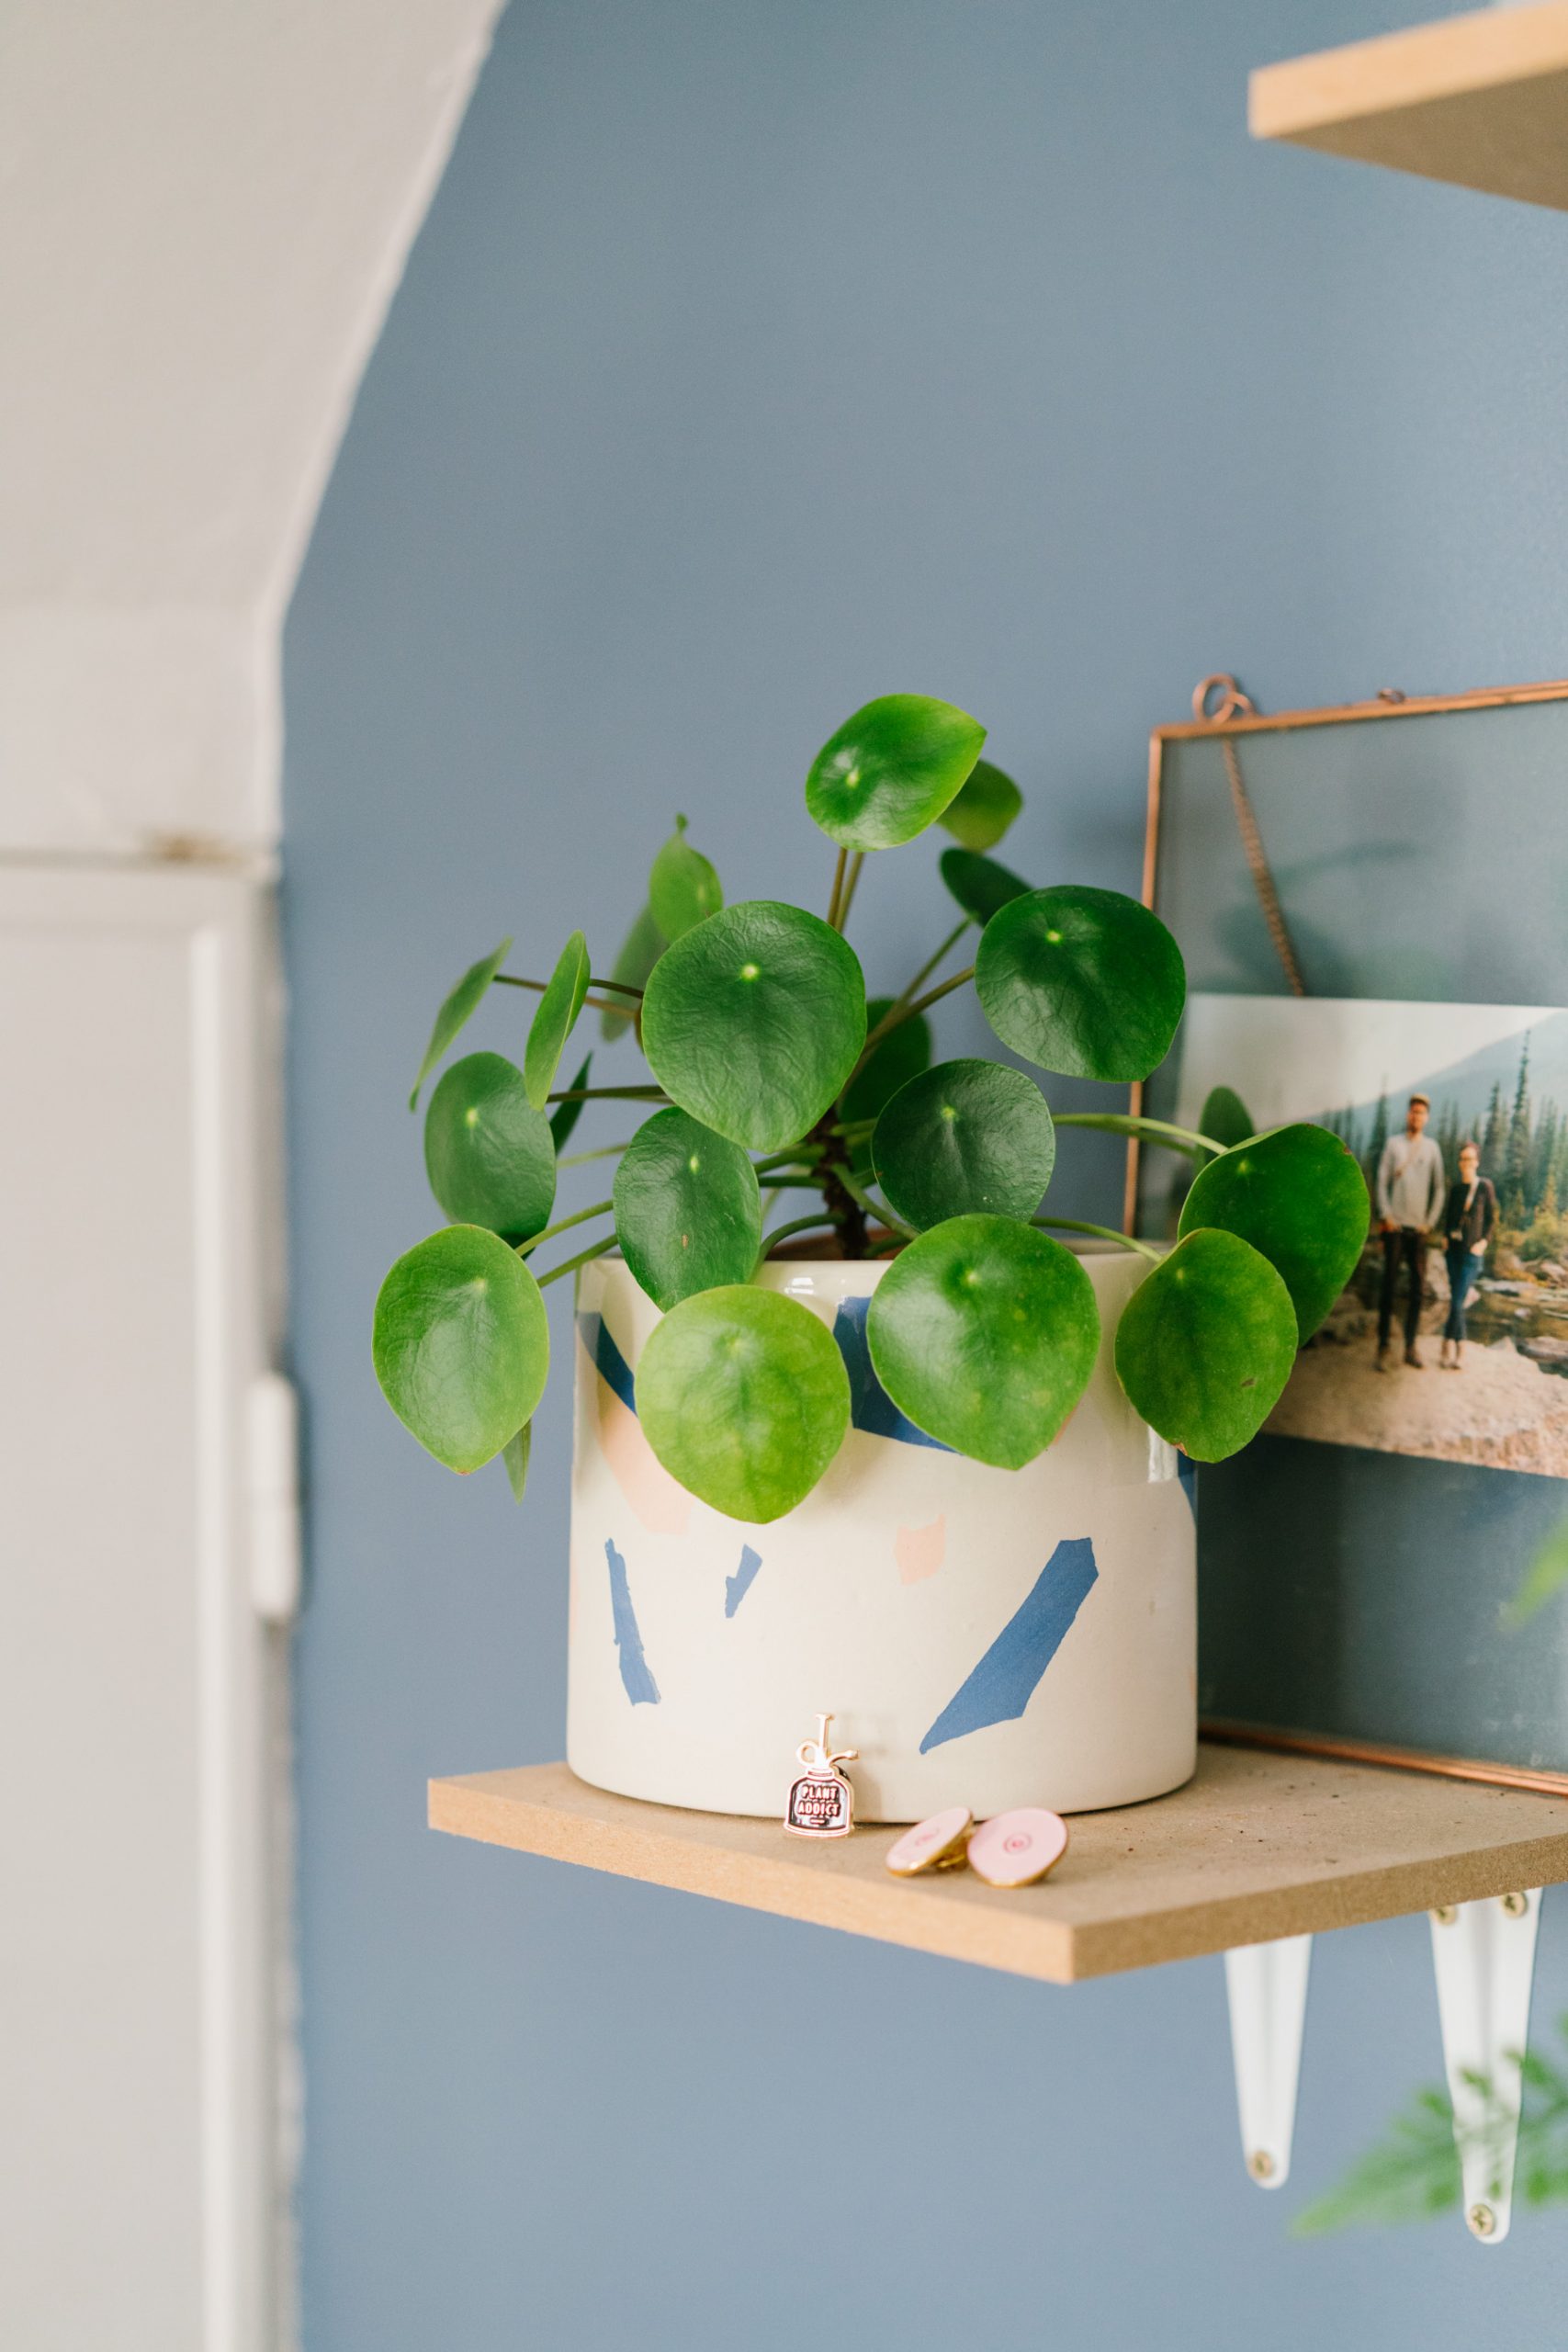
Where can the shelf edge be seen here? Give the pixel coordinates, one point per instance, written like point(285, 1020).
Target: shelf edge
point(1487, 48)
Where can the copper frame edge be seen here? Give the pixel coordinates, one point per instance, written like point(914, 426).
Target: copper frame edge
point(1189, 729)
point(1399, 1760)
point(1412, 707)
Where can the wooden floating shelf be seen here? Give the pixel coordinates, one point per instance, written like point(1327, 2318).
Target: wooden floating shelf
point(1479, 100)
point(1257, 1846)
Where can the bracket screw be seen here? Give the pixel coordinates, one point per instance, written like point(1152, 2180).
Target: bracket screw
point(1260, 2164)
point(1446, 1914)
point(1483, 2220)
point(1516, 1905)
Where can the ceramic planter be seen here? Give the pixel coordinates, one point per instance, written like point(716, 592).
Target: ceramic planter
point(983, 1637)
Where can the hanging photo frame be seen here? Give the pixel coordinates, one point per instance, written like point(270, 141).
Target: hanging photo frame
point(1400, 868)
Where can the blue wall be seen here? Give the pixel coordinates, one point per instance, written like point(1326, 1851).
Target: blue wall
point(760, 356)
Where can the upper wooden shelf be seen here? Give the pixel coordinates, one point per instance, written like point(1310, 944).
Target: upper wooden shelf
point(1479, 100)
point(1257, 1846)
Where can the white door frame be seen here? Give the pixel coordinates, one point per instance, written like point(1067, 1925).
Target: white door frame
point(193, 947)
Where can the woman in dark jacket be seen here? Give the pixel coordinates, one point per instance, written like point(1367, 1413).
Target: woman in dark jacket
point(1470, 1219)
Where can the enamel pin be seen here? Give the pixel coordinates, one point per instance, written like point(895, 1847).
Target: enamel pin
point(821, 1802)
point(1018, 1847)
point(939, 1843)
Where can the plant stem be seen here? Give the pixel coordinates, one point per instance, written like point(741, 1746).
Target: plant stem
point(898, 1013)
point(512, 981)
point(580, 1159)
point(798, 1155)
point(842, 1206)
point(919, 1004)
point(835, 894)
point(850, 880)
point(772, 1201)
point(570, 1265)
point(873, 1208)
point(1100, 1233)
point(1121, 1123)
point(928, 966)
point(600, 1208)
point(782, 1232)
point(610, 1094)
point(622, 987)
point(787, 1183)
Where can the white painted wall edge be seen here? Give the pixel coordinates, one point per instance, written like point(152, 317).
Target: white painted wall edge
point(210, 215)
point(139, 731)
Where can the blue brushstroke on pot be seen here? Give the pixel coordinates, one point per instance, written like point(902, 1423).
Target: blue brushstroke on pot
point(737, 1586)
point(1001, 1686)
point(635, 1673)
point(607, 1359)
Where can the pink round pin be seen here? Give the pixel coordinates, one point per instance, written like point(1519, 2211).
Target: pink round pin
point(1017, 1848)
point(933, 1845)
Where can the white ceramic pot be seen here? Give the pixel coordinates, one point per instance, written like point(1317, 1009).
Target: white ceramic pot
point(983, 1637)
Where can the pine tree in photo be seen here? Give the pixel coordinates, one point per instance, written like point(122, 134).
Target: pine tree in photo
point(1547, 1239)
point(1543, 1150)
point(1492, 1135)
point(1517, 1167)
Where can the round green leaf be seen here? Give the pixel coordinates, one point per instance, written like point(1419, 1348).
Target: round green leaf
point(966, 1138)
point(640, 950)
point(1298, 1196)
point(984, 808)
point(979, 884)
point(743, 1396)
point(1225, 1117)
point(490, 1156)
point(555, 1019)
point(688, 1212)
point(754, 1020)
point(984, 1333)
point(683, 889)
point(891, 770)
point(1084, 982)
point(460, 1002)
point(1206, 1343)
point(461, 1344)
point(901, 1054)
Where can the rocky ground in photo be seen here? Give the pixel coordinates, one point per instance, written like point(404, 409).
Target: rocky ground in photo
point(1504, 1408)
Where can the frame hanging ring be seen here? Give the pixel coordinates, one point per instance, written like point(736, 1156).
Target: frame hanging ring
point(1233, 703)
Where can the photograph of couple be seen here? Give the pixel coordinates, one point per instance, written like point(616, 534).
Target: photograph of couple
point(1416, 1205)
point(1458, 1116)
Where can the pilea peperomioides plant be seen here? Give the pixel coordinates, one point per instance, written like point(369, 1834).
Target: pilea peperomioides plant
point(772, 1075)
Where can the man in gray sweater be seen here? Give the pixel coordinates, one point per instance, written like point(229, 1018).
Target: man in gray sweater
point(1411, 1190)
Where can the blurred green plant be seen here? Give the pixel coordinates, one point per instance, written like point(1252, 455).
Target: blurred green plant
point(1545, 1576)
point(1413, 2173)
